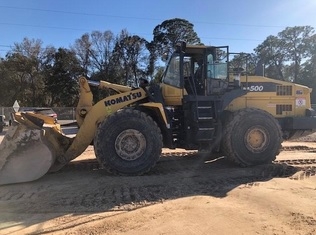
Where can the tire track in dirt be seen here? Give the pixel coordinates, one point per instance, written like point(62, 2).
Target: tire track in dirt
point(84, 187)
point(118, 193)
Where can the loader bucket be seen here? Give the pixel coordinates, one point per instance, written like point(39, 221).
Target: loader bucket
point(30, 148)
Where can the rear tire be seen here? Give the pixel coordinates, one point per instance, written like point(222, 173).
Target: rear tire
point(252, 137)
point(128, 143)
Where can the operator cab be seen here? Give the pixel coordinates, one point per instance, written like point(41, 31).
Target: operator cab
point(196, 90)
point(196, 70)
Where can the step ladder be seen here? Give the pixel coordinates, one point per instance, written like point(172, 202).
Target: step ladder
point(206, 128)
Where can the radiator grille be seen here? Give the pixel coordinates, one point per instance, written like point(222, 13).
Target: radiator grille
point(283, 90)
point(283, 107)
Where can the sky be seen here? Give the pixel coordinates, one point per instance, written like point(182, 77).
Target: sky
point(240, 24)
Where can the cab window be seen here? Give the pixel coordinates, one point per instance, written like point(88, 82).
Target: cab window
point(172, 75)
point(210, 66)
point(217, 69)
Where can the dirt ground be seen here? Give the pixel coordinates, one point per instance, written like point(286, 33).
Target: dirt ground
point(184, 194)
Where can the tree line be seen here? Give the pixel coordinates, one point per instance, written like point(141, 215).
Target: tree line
point(39, 76)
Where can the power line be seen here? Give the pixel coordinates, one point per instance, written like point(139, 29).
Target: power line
point(77, 29)
point(117, 16)
point(77, 13)
point(137, 18)
point(42, 26)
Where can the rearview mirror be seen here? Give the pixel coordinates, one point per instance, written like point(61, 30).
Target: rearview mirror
point(165, 56)
point(181, 46)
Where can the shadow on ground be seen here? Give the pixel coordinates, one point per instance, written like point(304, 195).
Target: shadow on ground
point(82, 188)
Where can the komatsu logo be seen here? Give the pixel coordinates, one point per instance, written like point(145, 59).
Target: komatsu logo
point(131, 96)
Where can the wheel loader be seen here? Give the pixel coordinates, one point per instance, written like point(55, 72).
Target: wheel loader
point(201, 104)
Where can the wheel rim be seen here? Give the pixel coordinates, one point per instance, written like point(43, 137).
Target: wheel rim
point(256, 139)
point(130, 144)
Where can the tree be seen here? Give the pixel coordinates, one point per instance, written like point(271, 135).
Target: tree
point(96, 55)
point(82, 48)
point(102, 45)
point(132, 54)
point(25, 65)
point(309, 68)
point(7, 88)
point(295, 41)
point(271, 54)
point(170, 32)
point(284, 54)
point(61, 79)
point(165, 37)
point(247, 62)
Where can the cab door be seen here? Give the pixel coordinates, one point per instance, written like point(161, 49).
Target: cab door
point(172, 85)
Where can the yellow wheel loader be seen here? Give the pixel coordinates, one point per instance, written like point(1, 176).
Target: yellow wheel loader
point(200, 105)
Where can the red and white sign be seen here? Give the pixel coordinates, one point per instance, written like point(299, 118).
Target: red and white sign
point(300, 102)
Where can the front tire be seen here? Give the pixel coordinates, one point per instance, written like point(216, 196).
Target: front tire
point(252, 137)
point(128, 143)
